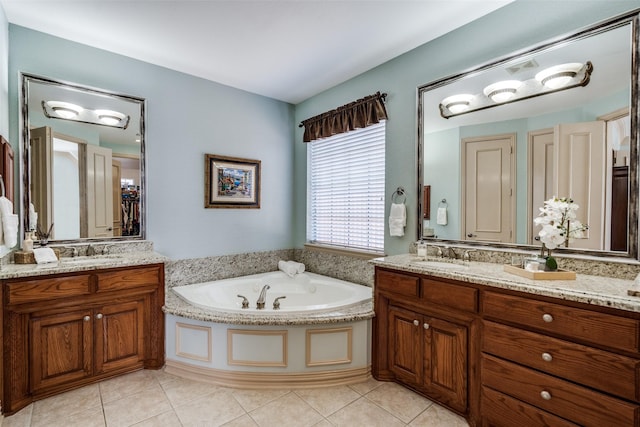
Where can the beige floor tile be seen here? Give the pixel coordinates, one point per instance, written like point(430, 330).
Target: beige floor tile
point(66, 404)
point(211, 410)
point(363, 412)
point(328, 400)
point(166, 419)
point(399, 401)
point(437, 416)
point(289, 410)
point(181, 391)
point(89, 418)
point(253, 399)
point(126, 385)
point(162, 376)
point(366, 386)
point(22, 418)
point(323, 423)
point(243, 421)
point(137, 407)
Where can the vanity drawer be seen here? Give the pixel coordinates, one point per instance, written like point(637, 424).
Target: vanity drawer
point(129, 278)
point(500, 410)
point(575, 323)
point(562, 398)
point(23, 291)
point(599, 369)
point(398, 283)
point(450, 295)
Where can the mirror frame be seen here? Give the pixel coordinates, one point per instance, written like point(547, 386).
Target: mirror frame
point(630, 18)
point(25, 173)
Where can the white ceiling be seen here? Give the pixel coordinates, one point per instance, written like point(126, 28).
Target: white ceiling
point(286, 50)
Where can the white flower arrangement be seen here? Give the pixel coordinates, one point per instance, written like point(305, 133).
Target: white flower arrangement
point(559, 223)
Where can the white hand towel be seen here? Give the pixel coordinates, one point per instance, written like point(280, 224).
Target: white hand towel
point(9, 223)
point(441, 216)
point(291, 268)
point(44, 255)
point(397, 219)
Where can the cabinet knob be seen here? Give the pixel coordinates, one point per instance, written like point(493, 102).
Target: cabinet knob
point(545, 395)
point(86, 318)
point(99, 316)
point(547, 318)
point(426, 326)
point(415, 322)
point(547, 357)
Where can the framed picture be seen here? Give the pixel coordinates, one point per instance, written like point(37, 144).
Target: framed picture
point(231, 182)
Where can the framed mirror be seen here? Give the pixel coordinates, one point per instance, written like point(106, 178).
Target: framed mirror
point(508, 140)
point(82, 161)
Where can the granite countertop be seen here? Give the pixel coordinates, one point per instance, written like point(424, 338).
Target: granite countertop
point(595, 290)
point(178, 307)
point(81, 263)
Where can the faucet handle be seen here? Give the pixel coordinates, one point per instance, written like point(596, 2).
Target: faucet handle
point(276, 303)
point(245, 301)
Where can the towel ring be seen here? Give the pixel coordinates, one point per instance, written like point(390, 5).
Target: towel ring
point(443, 203)
point(397, 194)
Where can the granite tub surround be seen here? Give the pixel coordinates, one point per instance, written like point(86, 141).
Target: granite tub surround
point(622, 268)
point(353, 269)
point(121, 254)
point(589, 289)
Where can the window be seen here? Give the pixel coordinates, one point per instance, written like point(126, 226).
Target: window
point(346, 189)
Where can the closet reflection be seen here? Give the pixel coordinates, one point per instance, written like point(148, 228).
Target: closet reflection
point(83, 161)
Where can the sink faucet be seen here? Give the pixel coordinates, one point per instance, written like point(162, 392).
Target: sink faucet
point(261, 298)
point(452, 253)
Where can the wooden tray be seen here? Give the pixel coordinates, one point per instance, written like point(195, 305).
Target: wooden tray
point(21, 257)
point(541, 275)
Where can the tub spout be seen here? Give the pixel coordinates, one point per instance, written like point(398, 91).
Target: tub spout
point(262, 297)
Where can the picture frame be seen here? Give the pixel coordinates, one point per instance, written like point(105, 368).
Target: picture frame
point(231, 182)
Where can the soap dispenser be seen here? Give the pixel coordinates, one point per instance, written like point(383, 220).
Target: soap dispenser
point(27, 243)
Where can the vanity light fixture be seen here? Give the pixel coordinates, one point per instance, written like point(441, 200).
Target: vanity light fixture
point(67, 111)
point(559, 75)
point(502, 91)
point(550, 80)
point(457, 103)
point(109, 117)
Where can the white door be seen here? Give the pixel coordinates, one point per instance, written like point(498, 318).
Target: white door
point(487, 188)
point(540, 176)
point(581, 158)
point(99, 192)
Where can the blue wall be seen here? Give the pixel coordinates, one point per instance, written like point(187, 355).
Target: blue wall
point(186, 118)
point(511, 28)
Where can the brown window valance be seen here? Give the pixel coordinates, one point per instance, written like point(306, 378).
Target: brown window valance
point(358, 114)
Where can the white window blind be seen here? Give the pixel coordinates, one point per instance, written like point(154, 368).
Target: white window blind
point(346, 189)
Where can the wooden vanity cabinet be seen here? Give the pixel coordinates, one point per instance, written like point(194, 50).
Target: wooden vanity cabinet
point(419, 344)
point(67, 330)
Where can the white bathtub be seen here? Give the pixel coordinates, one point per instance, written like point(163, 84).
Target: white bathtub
point(305, 293)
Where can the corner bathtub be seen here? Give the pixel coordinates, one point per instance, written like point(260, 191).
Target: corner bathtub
point(304, 293)
point(320, 336)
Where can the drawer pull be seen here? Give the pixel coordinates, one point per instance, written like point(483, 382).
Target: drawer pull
point(99, 316)
point(86, 318)
point(545, 395)
point(415, 322)
point(547, 318)
point(426, 326)
point(547, 357)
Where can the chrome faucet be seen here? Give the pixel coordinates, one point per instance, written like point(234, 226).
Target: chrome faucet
point(262, 297)
point(451, 253)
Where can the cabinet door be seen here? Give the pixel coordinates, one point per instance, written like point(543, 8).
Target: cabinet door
point(61, 348)
point(119, 335)
point(405, 344)
point(445, 362)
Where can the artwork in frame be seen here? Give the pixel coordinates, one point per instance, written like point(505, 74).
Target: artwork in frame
point(231, 182)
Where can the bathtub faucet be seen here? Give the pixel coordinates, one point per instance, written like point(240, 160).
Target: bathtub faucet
point(262, 297)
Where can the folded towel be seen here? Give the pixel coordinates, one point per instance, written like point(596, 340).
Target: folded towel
point(44, 255)
point(291, 268)
point(10, 223)
point(397, 219)
point(441, 216)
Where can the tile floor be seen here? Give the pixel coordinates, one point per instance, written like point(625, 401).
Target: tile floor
point(157, 399)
